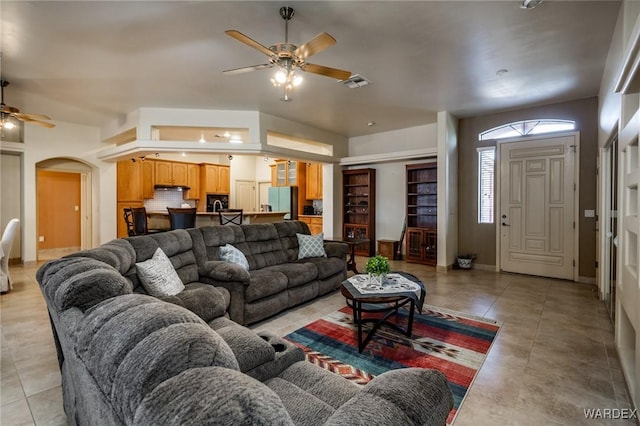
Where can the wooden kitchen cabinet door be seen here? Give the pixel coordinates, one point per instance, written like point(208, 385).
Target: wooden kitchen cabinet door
point(129, 181)
point(180, 174)
point(314, 181)
point(163, 173)
point(193, 182)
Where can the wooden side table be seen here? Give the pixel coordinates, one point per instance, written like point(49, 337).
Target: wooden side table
point(388, 249)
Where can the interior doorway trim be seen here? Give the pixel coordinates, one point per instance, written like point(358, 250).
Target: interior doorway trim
point(576, 206)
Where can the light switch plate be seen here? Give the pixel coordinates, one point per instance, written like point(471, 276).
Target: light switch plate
point(589, 213)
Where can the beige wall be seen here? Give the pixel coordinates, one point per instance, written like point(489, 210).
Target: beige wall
point(10, 197)
point(481, 238)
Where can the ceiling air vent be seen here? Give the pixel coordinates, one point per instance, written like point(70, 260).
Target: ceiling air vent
point(355, 81)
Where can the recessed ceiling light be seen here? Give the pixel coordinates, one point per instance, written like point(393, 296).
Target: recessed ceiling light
point(235, 139)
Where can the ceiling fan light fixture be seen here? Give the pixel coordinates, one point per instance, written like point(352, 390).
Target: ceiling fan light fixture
point(530, 4)
point(7, 123)
point(281, 76)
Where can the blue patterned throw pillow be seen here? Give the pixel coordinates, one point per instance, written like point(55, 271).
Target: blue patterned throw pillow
point(311, 245)
point(231, 254)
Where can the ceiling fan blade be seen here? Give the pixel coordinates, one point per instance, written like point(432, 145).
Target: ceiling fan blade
point(326, 71)
point(37, 122)
point(315, 45)
point(9, 109)
point(20, 115)
point(247, 69)
point(249, 41)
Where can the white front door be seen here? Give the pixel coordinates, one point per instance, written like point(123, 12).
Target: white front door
point(537, 198)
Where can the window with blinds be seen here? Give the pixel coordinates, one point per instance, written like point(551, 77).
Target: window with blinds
point(486, 184)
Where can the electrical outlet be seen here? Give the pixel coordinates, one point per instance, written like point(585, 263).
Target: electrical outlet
point(41, 238)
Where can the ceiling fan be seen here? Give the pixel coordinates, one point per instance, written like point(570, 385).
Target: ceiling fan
point(290, 57)
point(7, 112)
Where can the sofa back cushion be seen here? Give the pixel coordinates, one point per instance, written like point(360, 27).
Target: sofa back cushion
point(80, 282)
point(207, 240)
point(262, 246)
point(177, 245)
point(287, 232)
point(117, 253)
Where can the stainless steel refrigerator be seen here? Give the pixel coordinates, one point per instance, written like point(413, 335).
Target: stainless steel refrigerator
point(284, 199)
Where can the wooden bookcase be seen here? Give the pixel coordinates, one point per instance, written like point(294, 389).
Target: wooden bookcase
point(422, 213)
point(359, 208)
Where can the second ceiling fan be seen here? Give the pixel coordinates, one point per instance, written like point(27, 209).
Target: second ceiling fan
point(290, 57)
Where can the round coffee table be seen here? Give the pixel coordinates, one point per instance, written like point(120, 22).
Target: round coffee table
point(388, 305)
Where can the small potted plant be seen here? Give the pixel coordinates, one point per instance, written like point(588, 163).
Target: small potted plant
point(465, 260)
point(377, 267)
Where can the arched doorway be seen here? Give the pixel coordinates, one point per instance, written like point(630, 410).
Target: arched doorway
point(63, 204)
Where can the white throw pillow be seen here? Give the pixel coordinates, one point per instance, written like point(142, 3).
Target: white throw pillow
point(311, 245)
point(231, 254)
point(158, 276)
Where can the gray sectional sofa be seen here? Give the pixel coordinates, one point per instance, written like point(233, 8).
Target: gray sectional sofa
point(275, 280)
point(130, 358)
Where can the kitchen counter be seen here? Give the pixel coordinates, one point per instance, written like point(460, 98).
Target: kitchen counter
point(160, 219)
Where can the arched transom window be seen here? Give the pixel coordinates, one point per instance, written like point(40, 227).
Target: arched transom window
point(527, 127)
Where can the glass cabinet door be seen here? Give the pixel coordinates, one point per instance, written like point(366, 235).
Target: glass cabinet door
point(281, 174)
point(292, 173)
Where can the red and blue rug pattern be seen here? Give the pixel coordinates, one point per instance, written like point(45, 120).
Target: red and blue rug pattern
point(452, 342)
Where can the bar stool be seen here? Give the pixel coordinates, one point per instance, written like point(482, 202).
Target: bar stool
point(182, 218)
point(232, 216)
point(136, 220)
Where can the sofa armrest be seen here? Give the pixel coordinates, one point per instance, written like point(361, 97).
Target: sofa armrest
point(220, 270)
point(336, 249)
point(406, 396)
point(204, 300)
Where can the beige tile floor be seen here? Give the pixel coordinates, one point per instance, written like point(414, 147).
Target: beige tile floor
point(553, 358)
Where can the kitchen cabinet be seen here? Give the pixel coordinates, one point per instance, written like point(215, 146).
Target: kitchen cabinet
point(171, 173)
point(129, 181)
point(422, 213)
point(314, 223)
point(224, 179)
point(314, 181)
point(359, 208)
point(214, 179)
point(148, 179)
point(193, 182)
point(284, 173)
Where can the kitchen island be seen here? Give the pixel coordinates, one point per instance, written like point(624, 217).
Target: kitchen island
point(159, 219)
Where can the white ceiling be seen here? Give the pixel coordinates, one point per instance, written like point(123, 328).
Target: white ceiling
point(91, 62)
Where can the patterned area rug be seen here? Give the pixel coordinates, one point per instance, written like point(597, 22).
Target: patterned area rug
point(452, 342)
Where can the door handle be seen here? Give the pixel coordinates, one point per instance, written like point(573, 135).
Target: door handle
point(505, 224)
